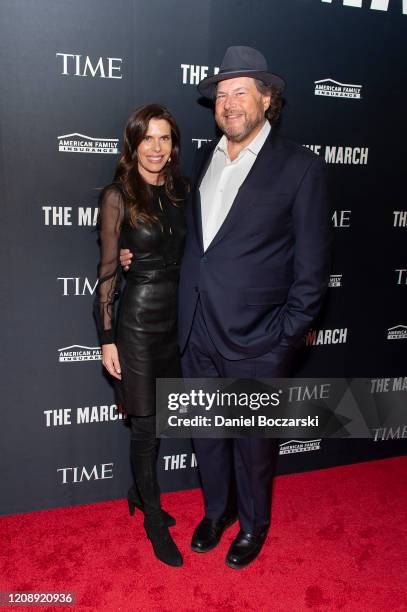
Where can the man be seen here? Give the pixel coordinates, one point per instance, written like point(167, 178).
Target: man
point(255, 268)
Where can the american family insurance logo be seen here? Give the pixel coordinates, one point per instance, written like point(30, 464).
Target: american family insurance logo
point(398, 332)
point(335, 89)
point(335, 280)
point(299, 446)
point(375, 5)
point(79, 143)
point(76, 352)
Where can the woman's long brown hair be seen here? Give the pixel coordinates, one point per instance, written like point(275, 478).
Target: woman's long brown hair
point(136, 191)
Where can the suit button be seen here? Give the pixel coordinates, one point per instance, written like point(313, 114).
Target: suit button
point(196, 289)
point(204, 259)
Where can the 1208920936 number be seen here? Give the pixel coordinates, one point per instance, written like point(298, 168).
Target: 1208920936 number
point(29, 598)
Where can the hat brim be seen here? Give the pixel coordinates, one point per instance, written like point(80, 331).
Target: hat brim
point(207, 86)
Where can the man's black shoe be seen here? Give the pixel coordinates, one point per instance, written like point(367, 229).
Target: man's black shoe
point(244, 549)
point(208, 533)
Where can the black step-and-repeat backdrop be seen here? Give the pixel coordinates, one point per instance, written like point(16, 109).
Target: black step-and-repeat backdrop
point(71, 74)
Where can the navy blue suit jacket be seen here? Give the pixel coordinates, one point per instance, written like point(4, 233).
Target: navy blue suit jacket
point(262, 279)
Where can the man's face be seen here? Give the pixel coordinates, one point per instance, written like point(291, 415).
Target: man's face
point(239, 107)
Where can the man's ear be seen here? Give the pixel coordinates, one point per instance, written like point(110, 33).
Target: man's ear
point(266, 102)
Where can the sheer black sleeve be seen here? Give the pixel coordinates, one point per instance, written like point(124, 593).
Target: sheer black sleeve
point(109, 277)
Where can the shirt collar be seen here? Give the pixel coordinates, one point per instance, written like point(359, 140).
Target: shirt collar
point(254, 145)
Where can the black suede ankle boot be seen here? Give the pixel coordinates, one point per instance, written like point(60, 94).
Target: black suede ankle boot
point(163, 545)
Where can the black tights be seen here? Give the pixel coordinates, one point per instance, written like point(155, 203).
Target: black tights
point(144, 447)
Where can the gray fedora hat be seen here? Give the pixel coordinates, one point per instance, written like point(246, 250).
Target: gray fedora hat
point(241, 61)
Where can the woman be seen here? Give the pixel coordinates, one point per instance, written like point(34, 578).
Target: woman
point(142, 210)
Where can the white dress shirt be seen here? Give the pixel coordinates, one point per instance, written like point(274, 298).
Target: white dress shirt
point(222, 181)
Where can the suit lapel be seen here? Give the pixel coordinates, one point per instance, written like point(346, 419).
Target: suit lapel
point(264, 165)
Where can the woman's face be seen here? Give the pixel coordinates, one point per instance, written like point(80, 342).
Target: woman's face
point(154, 150)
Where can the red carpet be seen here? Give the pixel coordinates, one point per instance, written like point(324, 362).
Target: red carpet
point(337, 542)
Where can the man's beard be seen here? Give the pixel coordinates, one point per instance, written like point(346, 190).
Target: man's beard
point(239, 133)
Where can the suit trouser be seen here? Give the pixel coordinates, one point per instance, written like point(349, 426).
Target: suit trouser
point(246, 464)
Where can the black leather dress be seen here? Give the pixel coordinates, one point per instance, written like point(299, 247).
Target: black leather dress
point(146, 328)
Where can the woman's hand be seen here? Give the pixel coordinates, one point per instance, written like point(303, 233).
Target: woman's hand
point(110, 359)
point(125, 258)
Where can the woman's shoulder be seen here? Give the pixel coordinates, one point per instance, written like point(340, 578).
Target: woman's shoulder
point(113, 189)
point(112, 195)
